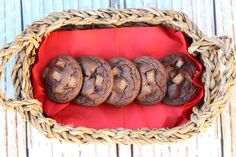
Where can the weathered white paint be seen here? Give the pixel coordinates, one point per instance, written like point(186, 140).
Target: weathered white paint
point(13, 132)
point(13, 135)
point(226, 25)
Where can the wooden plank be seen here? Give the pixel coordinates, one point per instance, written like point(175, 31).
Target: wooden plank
point(98, 4)
point(98, 150)
point(224, 17)
point(185, 7)
point(149, 3)
point(203, 16)
point(101, 150)
point(225, 24)
point(57, 5)
point(133, 3)
point(3, 132)
point(211, 138)
point(203, 13)
point(3, 121)
point(145, 150)
point(233, 117)
point(159, 150)
point(37, 142)
point(188, 147)
point(15, 128)
point(48, 7)
point(117, 4)
point(165, 5)
point(32, 11)
point(88, 150)
point(233, 103)
point(125, 150)
point(70, 5)
point(139, 150)
point(233, 4)
point(86, 5)
point(67, 149)
point(178, 5)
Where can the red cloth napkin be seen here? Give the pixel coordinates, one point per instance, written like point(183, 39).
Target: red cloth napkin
point(129, 42)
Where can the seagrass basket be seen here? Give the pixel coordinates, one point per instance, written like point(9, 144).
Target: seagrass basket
point(215, 53)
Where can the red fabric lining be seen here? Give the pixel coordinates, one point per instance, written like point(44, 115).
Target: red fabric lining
point(128, 42)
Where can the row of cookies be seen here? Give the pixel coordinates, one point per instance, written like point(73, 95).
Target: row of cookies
point(90, 80)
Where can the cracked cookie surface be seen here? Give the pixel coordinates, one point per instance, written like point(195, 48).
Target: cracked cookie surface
point(63, 79)
point(97, 81)
point(181, 70)
point(127, 82)
point(153, 80)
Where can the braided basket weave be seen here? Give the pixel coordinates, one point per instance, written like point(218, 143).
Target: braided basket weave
point(215, 53)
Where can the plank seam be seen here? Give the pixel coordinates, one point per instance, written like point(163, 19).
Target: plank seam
point(132, 150)
point(214, 17)
point(117, 151)
point(21, 14)
point(221, 128)
point(26, 129)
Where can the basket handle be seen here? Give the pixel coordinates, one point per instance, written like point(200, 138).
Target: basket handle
point(219, 59)
point(6, 53)
point(221, 46)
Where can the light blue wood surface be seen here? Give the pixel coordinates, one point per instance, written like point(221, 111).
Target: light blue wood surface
point(17, 138)
point(3, 137)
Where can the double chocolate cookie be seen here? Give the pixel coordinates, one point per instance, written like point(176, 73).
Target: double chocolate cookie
point(153, 80)
point(181, 70)
point(127, 82)
point(63, 79)
point(97, 81)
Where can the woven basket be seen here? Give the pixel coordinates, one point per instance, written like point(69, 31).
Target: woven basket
point(215, 53)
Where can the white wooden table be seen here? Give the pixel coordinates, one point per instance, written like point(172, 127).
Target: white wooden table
point(18, 138)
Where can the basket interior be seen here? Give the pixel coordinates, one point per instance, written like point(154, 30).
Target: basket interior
point(129, 42)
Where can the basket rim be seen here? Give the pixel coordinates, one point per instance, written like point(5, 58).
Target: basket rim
point(26, 44)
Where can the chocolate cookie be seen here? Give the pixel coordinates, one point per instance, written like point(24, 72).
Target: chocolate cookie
point(127, 82)
point(153, 80)
point(63, 79)
point(98, 81)
point(180, 70)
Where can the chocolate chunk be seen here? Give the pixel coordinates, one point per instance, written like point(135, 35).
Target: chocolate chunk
point(61, 63)
point(150, 76)
point(56, 76)
point(99, 81)
point(178, 79)
point(116, 71)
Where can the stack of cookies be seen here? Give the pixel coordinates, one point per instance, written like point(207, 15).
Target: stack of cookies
point(91, 81)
